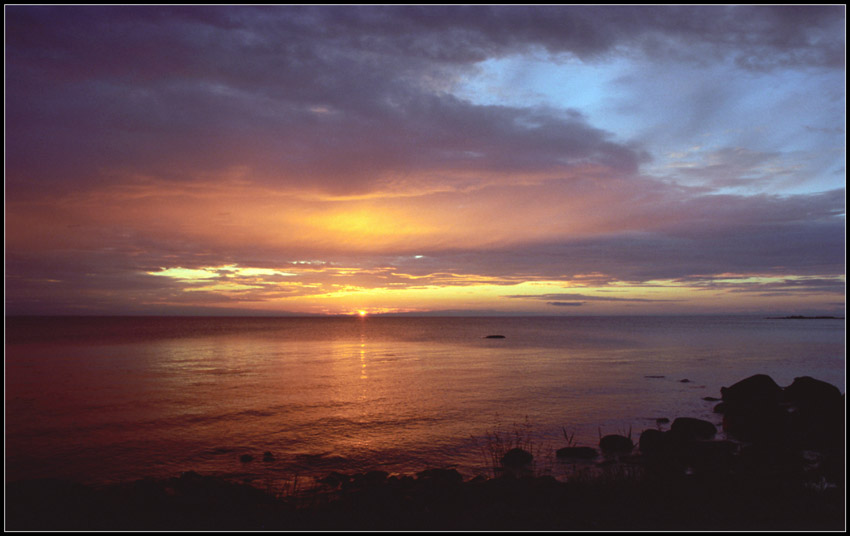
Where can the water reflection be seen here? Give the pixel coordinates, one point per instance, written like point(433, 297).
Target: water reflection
point(353, 391)
point(363, 375)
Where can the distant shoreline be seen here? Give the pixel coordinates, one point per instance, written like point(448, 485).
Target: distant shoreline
point(801, 317)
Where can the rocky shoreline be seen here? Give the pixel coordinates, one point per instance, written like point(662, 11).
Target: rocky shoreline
point(781, 466)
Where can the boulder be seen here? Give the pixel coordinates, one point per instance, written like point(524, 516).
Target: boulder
point(616, 444)
point(759, 389)
point(756, 423)
point(811, 395)
point(691, 428)
point(817, 418)
point(653, 442)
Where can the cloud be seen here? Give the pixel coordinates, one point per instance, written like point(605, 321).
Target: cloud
point(583, 297)
point(339, 99)
point(311, 98)
point(784, 286)
point(142, 139)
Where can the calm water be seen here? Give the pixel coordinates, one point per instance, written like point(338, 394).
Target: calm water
point(110, 399)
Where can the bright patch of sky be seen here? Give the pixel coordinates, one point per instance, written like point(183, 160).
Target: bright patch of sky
point(190, 274)
point(525, 81)
point(789, 123)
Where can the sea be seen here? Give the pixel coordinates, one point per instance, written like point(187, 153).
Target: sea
point(270, 401)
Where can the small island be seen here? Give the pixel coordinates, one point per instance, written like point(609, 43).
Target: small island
point(802, 317)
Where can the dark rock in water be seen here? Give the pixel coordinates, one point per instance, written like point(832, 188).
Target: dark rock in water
point(685, 381)
point(809, 394)
point(268, 456)
point(245, 458)
point(817, 417)
point(586, 453)
point(653, 442)
point(616, 444)
point(679, 451)
point(494, 337)
point(693, 428)
point(759, 423)
point(758, 389)
point(711, 399)
point(517, 458)
point(809, 413)
point(662, 420)
point(720, 408)
point(653, 376)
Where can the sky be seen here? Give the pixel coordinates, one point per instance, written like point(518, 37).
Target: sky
point(423, 160)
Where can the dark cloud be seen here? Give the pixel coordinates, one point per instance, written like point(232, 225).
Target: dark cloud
point(303, 94)
point(677, 236)
point(805, 285)
point(583, 297)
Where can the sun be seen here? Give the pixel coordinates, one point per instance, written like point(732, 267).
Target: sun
point(362, 313)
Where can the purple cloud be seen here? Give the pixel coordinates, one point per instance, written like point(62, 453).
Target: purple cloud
point(133, 131)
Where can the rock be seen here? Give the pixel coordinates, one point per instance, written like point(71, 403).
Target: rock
point(693, 428)
point(817, 414)
point(756, 423)
point(811, 395)
point(268, 456)
point(752, 410)
point(616, 444)
point(517, 458)
point(587, 453)
point(758, 389)
point(245, 458)
point(653, 442)
point(494, 337)
point(685, 381)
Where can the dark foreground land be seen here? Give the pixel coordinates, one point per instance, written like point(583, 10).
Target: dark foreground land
point(194, 502)
point(785, 470)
